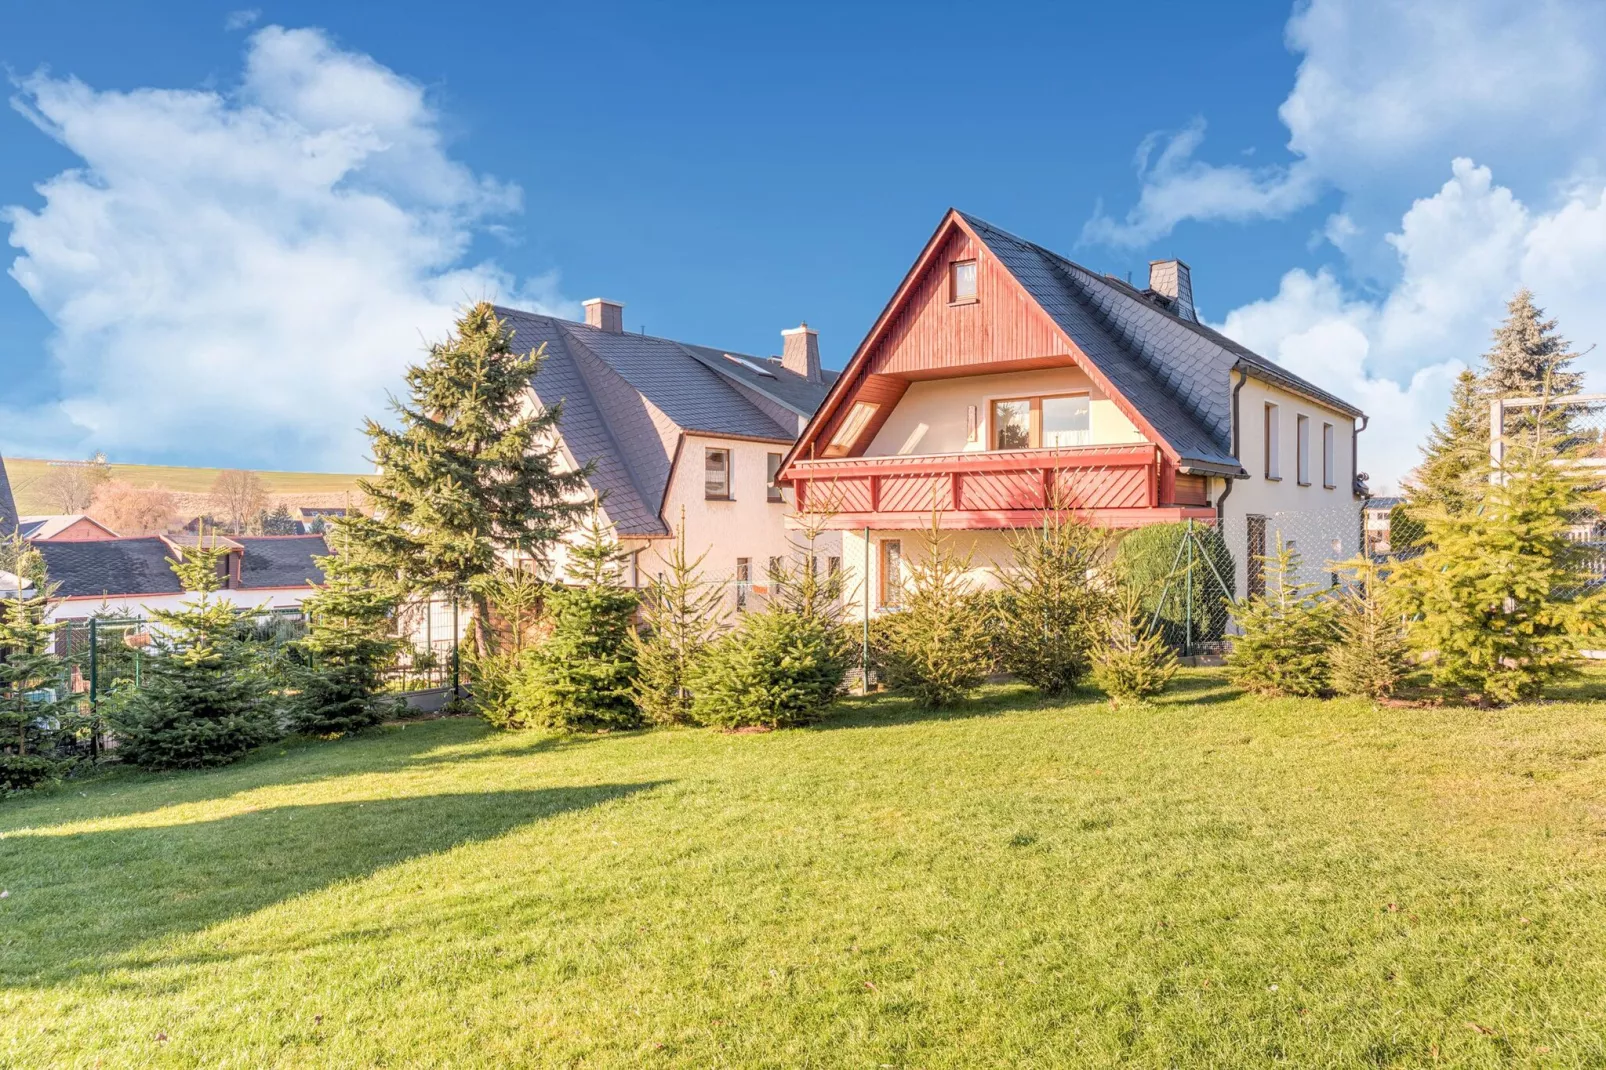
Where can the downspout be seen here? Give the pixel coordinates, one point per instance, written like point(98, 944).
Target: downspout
point(1221, 502)
point(1355, 477)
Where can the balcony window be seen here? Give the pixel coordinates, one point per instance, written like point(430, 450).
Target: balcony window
point(772, 489)
point(962, 285)
point(848, 432)
point(1042, 422)
point(717, 474)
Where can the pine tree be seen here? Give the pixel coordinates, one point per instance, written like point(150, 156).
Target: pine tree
point(472, 476)
point(1134, 662)
point(1527, 353)
point(1285, 633)
point(582, 675)
point(1455, 460)
point(346, 650)
point(1503, 598)
point(29, 671)
point(201, 701)
point(938, 646)
point(683, 614)
point(1053, 607)
point(1369, 657)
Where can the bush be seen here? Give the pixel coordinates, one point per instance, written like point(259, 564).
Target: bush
point(19, 772)
point(1286, 633)
point(344, 654)
point(1147, 557)
point(1132, 665)
point(937, 647)
point(1053, 606)
point(777, 670)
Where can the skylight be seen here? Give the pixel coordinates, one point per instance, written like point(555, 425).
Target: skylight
point(749, 365)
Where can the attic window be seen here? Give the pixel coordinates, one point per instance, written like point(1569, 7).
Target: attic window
point(749, 365)
point(852, 427)
point(962, 281)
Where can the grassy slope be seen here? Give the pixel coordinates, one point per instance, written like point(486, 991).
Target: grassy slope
point(27, 477)
point(1212, 881)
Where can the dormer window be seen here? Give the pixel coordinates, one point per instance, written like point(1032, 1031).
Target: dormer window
point(962, 281)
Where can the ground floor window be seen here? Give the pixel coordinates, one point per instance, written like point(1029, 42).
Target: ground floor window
point(1256, 556)
point(891, 573)
point(744, 581)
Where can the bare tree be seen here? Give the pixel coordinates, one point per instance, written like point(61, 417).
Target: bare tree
point(131, 510)
point(239, 498)
point(70, 488)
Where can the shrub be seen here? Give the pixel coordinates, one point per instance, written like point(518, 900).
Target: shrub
point(1053, 606)
point(19, 772)
point(346, 650)
point(1133, 663)
point(1286, 633)
point(1148, 557)
point(779, 669)
point(1369, 656)
point(30, 671)
point(937, 647)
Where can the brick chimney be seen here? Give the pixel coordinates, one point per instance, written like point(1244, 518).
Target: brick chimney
point(1171, 280)
point(609, 315)
point(800, 352)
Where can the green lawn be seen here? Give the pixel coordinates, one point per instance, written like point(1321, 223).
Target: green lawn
point(1212, 881)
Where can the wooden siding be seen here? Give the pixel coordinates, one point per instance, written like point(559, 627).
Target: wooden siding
point(884, 391)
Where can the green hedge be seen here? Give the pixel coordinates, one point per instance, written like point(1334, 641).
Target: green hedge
point(1147, 557)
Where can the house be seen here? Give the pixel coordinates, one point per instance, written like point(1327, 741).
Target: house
point(8, 506)
point(678, 430)
point(1378, 512)
point(130, 577)
point(1002, 377)
point(65, 527)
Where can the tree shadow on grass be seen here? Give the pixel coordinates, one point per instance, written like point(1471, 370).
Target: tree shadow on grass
point(86, 902)
point(993, 700)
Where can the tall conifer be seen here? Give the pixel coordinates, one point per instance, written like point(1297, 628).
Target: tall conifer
point(683, 614)
point(1455, 460)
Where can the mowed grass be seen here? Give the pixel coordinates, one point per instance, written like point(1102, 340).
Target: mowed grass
point(1210, 881)
point(28, 481)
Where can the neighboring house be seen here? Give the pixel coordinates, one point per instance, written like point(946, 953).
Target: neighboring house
point(673, 429)
point(66, 527)
point(1378, 511)
point(1002, 376)
point(130, 577)
point(8, 507)
point(313, 520)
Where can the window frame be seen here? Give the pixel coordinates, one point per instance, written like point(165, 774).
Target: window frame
point(1271, 433)
point(1302, 449)
point(954, 296)
point(1034, 425)
point(744, 582)
point(772, 489)
point(884, 571)
point(708, 455)
point(840, 446)
point(1329, 456)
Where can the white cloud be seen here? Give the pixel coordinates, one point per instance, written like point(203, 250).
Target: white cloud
point(242, 19)
point(251, 271)
point(1461, 253)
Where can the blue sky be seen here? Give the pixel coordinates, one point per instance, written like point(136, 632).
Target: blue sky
point(252, 217)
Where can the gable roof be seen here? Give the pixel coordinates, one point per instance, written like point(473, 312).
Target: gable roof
point(1173, 373)
point(8, 505)
point(280, 560)
point(48, 527)
point(628, 398)
point(110, 567)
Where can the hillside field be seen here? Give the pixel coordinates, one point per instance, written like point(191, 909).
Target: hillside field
point(1210, 881)
point(304, 488)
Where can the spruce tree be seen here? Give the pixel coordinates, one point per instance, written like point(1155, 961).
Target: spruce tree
point(582, 675)
point(1054, 605)
point(1285, 633)
point(937, 646)
point(1455, 460)
point(683, 614)
point(30, 670)
point(1369, 656)
point(346, 650)
point(473, 474)
point(1504, 598)
point(202, 700)
point(1527, 354)
point(1134, 662)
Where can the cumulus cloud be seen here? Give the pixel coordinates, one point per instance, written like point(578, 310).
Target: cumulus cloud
point(251, 270)
point(241, 19)
point(1461, 253)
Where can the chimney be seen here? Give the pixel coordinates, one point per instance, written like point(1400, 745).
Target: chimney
point(1172, 281)
point(800, 352)
point(608, 315)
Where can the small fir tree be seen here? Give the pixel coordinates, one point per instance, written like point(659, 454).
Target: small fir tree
point(278, 522)
point(30, 671)
point(1284, 633)
point(1369, 657)
point(1134, 663)
point(938, 646)
point(1504, 598)
point(1455, 460)
point(583, 674)
point(1054, 605)
point(201, 701)
point(683, 614)
point(347, 648)
point(472, 476)
point(517, 599)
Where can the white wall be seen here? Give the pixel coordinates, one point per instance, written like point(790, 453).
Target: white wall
point(931, 417)
point(142, 605)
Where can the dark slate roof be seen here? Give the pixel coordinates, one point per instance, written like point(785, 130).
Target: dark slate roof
point(1173, 370)
point(1384, 503)
point(628, 397)
point(109, 567)
point(8, 506)
point(280, 560)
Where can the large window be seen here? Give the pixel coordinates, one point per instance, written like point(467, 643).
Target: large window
point(717, 474)
point(891, 573)
point(1328, 461)
point(1273, 464)
point(772, 465)
point(1302, 449)
point(962, 281)
point(1049, 421)
point(848, 432)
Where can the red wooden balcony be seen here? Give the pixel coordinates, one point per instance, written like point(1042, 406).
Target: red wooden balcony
point(1115, 486)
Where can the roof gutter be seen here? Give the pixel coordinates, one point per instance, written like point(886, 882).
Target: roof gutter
point(1221, 502)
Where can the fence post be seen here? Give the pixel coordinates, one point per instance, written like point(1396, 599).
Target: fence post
point(456, 674)
point(864, 644)
point(1187, 613)
point(94, 687)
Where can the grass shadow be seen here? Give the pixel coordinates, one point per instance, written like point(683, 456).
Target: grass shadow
point(992, 700)
point(86, 902)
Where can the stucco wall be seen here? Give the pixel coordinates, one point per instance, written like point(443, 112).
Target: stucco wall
point(932, 415)
point(142, 605)
point(988, 550)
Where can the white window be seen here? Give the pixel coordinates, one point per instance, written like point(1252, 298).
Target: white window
point(851, 428)
point(1302, 446)
point(772, 465)
point(891, 573)
point(1329, 462)
point(1273, 465)
point(1066, 421)
point(1041, 422)
point(963, 285)
point(744, 581)
point(717, 474)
